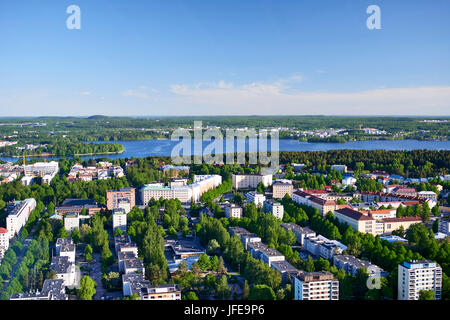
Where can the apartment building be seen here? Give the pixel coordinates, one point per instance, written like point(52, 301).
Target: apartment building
point(260, 251)
point(174, 171)
point(119, 219)
point(300, 232)
point(71, 221)
point(181, 191)
point(321, 246)
point(52, 289)
point(324, 206)
point(78, 205)
point(444, 226)
point(4, 242)
point(391, 224)
point(114, 198)
point(19, 215)
point(135, 284)
point(250, 181)
point(316, 286)
point(245, 236)
point(427, 195)
point(275, 208)
point(417, 275)
point(233, 211)
point(64, 269)
point(280, 189)
point(256, 198)
point(339, 167)
point(46, 170)
point(351, 265)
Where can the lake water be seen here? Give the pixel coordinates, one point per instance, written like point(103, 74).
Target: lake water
point(154, 147)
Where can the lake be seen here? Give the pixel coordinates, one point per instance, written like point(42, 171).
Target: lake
point(155, 147)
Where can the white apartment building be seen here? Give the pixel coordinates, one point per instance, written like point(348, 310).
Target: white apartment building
point(184, 193)
point(4, 242)
point(339, 167)
point(71, 221)
point(316, 286)
point(233, 211)
point(257, 198)
point(19, 216)
point(119, 219)
point(444, 226)
point(275, 208)
point(281, 188)
point(46, 170)
point(417, 275)
point(251, 181)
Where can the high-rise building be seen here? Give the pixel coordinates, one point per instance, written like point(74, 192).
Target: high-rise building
point(280, 189)
point(316, 286)
point(115, 198)
point(251, 181)
point(19, 215)
point(417, 275)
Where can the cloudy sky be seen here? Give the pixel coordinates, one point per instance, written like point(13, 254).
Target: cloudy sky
point(223, 57)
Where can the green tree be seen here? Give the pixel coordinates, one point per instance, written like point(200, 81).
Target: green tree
point(261, 292)
point(426, 295)
point(87, 288)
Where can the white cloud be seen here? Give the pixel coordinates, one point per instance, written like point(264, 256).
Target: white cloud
point(85, 93)
point(279, 98)
point(142, 92)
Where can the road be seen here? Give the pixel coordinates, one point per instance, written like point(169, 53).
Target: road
point(26, 242)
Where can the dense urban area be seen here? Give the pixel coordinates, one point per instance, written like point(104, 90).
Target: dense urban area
point(335, 225)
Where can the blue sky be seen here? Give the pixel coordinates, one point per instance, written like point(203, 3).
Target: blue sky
point(196, 57)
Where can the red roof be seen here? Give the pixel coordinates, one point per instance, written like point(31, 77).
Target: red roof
point(353, 214)
point(3, 230)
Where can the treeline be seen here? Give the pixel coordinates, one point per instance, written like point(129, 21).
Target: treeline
point(415, 163)
point(66, 148)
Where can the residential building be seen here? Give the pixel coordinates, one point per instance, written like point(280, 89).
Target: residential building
point(251, 181)
point(339, 167)
point(351, 265)
point(444, 226)
point(180, 191)
point(4, 242)
point(300, 232)
point(136, 284)
point(428, 195)
point(411, 192)
point(321, 246)
point(316, 286)
point(268, 255)
point(52, 289)
point(114, 198)
point(392, 224)
point(287, 270)
point(174, 171)
point(233, 211)
point(46, 170)
point(71, 221)
point(178, 250)
point(324, 206)
point(19, 215)
point(280, 189)
point(257, 198)
point(64, 269)
point(67, 250)
point(245, 236)
point(119, 219)
point(78, 205)
point(417, 275)
point(275, 208)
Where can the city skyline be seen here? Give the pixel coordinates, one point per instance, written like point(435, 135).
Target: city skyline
point(224, 58)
